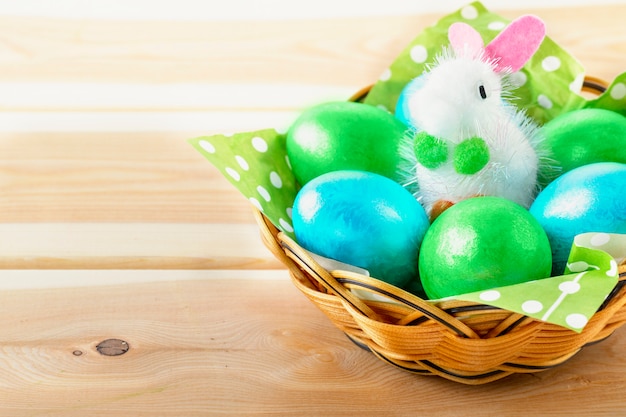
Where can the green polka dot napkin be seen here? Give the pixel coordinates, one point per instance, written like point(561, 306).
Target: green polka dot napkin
point(614, 98)
point(256, 164)
point(571, 299)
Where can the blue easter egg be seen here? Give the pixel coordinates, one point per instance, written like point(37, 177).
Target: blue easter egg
point(403, 111)
point(591, 198)
point(363, 219)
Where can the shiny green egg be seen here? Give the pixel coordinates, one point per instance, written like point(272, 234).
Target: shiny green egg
point(345, 136)
point(583, 137)
point(483, 243)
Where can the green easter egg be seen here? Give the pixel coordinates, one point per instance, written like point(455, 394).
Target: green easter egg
point(345, 136)
point(583, 137)
point(482, 243)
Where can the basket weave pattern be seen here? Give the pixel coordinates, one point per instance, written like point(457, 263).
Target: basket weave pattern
point(460, 341)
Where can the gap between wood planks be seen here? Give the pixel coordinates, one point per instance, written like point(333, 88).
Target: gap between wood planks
point(133, 246)
point(51, 279)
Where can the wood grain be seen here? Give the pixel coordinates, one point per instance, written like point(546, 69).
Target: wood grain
point(350, 51)
point(104, 177)
point(157, 177)
point(244, 347)
point(111, 229)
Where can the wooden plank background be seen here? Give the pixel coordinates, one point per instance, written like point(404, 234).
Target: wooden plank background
point(112, 226)
point(79, 145)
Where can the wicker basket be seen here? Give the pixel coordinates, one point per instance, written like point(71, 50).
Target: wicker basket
point(461, 341)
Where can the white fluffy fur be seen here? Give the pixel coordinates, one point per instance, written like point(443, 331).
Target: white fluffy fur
point(449, 107)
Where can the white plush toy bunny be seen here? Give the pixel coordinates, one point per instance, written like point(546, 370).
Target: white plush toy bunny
point(469, 140)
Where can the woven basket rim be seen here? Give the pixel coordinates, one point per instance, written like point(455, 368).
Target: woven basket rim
point(458, 326)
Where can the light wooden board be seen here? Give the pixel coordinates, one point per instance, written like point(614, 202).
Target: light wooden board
point(112, 226)
point(245, 347)
point(105, 177)
point(340, 52)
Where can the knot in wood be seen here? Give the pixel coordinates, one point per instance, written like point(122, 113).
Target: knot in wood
point(112, 347)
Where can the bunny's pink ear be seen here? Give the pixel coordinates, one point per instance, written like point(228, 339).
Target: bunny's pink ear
point(517, 43)
point(465, 39)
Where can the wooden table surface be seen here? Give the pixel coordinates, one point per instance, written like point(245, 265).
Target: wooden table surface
point(113, 227)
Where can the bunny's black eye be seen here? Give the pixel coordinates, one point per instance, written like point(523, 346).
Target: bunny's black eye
point(483, 93)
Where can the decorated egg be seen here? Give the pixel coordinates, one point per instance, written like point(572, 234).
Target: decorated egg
point(591, 198)
point(345, 135)
point(363, 219)
point(403, 110)
point(482, 243)
point(582, 137)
